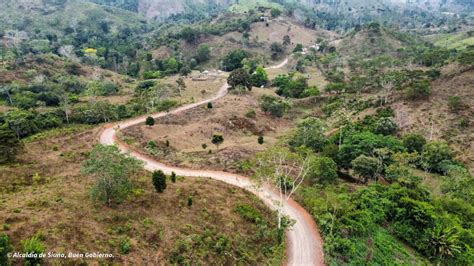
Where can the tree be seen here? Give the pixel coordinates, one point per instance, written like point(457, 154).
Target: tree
point(159, 181)
point(233, 60)
point(111, 170)
point(435, 156)
point(386, 126)
point(203, 53)
point(414, 142)
point(217, 140)
point(5, 249)
point(173, 177)
point(189, 34)
point(322, 170)
point(310, 133)
point(181, 85)
point(277, 50)
point(150, 121)
point(260, 140)
point(239, 77)
point(9, 145)
point(276, 107)
point(298, 48)
point(260, 77)
point(209, 105)
point(366, 167)
point(275, 12)
point(419, 89)
point(283, 169)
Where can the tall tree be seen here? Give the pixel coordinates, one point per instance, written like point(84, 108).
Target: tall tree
point(111, 170)
point(9, 145)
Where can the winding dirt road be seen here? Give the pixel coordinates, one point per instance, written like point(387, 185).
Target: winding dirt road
point(304, 244)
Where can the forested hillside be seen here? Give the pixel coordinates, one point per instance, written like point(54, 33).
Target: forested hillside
point(237, 132)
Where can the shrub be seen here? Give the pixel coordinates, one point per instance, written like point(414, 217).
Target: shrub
point(173, 177)
point(455, 104)
point(435, 154)
point(33, 245)
point(417, 90)
point(240, 78)
point(209, 105)
point(323, 170)
point(310, 133)
point(5, 248)
point(251, 114)
point(190, 201)
point(233, 60)
point(260, 140)
point(159, 181)
point(274, 106)
point(386, 126)
point(125, 246)
point(414, 142)
point(150, 121)
point(366, 167)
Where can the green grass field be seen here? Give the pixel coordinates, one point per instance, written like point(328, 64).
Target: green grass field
point(457, 40)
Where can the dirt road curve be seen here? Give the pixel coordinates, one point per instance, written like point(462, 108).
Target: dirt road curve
point(304, 241)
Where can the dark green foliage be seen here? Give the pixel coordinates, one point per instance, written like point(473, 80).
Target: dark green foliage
point(436, 155)
point(125, 246)
point(323, 170)
point(274, 106)
point(233, 60)
point(150, 121)
point(365, 143)
point(240, 78)
point(189, 34)
point(259, 77)
point(366, 167)
point(310, 133)
point(173, 177)
point(9, 145)
point(209, 105)
point(217, 140)
point(385, 126)
point(159, 181)
point(277, 50)
point(190, 201)
point(298, 48)
point(33, 245)
point(275, 12)
point(248, 213)
point(417, 90)
point(466, 57)
point(260, 140)
point(414, 142)
point(293, 86)
point(203, 53)
point(5, 248)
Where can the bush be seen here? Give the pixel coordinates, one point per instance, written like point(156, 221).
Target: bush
point(33, 245)
point(150, 121)
point(173, 177)
point(233, 60)
point(260, 140)
point(274, 106)
point(414, 142)
point(455, 104)
point(5, 248)
point(420, 89)
point(386, 126)
point(159, 181)
point(435, 155)
point(310, 133)
point(125, 246)
point(323, 170)
point(366, 167)
point(151, 75)
point(240, 78)
point(209, 105)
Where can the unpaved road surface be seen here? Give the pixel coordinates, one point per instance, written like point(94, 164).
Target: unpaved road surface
point(304, 245)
